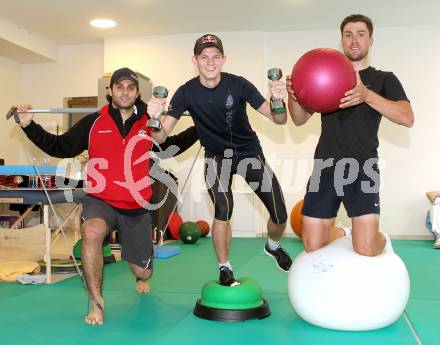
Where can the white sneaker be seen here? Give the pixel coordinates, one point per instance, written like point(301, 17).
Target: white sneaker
point(388, 244)
point(347, 230)
point(436, 244)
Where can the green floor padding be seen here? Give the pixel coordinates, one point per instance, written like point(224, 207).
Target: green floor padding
point(130, 318)
point(53, 314)
point(424, 314)
point(8, 289)
point(423, 264)
point(282, 327)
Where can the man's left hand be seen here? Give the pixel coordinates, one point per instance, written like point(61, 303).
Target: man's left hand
point(355, 96)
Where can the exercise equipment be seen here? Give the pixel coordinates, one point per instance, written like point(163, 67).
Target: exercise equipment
point(189, 232)
point(320, 79)
point(45, 198)
point(296, 218)
point(26, 177)
point(204, 227)
point(61, 266)
point(106, 252)
point(13, 112)
point(174, 223)
point(158, 92)
point(165, 252)
point(277, 106)
point(237, 303)
point(336, 288)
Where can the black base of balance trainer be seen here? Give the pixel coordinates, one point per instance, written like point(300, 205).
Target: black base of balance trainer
point(231, 315)
point(61, 266)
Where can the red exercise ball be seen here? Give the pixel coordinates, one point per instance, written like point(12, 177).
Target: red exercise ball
point(320, 79)
point(204, 227)
point(296, 218)
point(175, 221)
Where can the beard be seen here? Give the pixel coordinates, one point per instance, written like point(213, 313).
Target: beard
point(122, 105)
point(356, 56)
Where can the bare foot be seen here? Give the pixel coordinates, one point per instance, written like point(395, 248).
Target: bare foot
point(96, 315)
point(142, 286)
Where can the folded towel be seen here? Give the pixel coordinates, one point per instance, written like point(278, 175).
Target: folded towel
point(31, 279)
point(9, 270)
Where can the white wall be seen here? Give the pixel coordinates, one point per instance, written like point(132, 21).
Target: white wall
point(10, 144)
point(75, 74)
point(44, 85)
point(411, 155)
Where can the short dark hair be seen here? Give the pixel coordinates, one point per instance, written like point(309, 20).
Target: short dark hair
point(355, 18)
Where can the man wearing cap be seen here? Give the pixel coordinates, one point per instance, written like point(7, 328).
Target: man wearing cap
point(118, 188)
point(217, 104)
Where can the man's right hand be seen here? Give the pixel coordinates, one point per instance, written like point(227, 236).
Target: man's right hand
point(155, 107)
point(289, 85)
point(297, 112)
point(25, 118)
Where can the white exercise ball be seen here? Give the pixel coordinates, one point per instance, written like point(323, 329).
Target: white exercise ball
point(336, 288)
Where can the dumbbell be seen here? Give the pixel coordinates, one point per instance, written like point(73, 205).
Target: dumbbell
point(158, 92)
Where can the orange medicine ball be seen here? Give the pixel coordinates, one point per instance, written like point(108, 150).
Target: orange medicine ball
point(204, 227)
point(296, 218)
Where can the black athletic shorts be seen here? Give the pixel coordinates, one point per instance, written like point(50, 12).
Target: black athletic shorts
point(256, 172)
point(359, 192)
point(135, 234)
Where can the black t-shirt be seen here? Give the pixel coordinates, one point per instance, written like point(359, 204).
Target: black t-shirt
point(220, 113)
point(353, 132)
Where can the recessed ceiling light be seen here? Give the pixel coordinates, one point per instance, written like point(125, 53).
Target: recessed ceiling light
point(103, 23)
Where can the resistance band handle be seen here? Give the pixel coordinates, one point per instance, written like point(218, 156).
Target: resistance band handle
point(13, 112)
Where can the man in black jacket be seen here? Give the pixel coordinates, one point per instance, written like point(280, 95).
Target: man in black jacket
point(117, 140)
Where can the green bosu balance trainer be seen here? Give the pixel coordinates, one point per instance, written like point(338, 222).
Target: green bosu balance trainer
point(232, 303)
point(61, 266)
point(106, 252)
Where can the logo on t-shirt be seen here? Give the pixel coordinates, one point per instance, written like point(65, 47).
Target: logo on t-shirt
point(105, 131)
point(229, 102)
point(229, 111)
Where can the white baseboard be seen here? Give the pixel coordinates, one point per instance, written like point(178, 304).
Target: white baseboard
point(289, 234)
point(412, 237)
point(248, 234)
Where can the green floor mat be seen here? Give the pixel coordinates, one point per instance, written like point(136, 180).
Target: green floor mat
point(265, 271)
point(130, 318)
point(423, 314)
point(423, 264)
point(14, 289)
point(282, 327)
point(164, 316)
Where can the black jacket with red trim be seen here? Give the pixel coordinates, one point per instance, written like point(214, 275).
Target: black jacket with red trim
point(81, 137)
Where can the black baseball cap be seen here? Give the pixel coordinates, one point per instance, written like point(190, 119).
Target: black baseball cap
point(206, 41)
point(124, 73)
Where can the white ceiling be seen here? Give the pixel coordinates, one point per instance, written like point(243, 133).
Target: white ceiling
point(66, 21)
